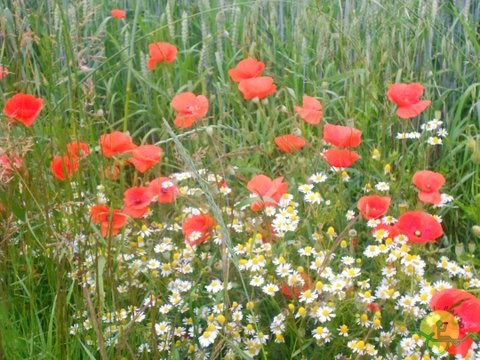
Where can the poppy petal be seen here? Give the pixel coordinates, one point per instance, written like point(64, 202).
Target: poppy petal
point(247, 69)
point(258, 87)
point(340, 158)
point(408, 112)
point(430, 197)
point(289, 143)
point(342, 136)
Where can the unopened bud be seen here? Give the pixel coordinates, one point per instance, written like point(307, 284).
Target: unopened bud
point(471, 247)
point(476, 157)
point(209, 130)
point(471, 144)
point(297, 131)
point(476, 230)
point(402, 207)
point(459, 249)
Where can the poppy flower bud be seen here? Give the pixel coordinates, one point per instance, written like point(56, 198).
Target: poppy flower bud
point(209, 130)
point(471, 244)
point(402, 207)
point(476, 231)
point(218, 265)
point(476, 157)
point(471, 144)
point(459, 249)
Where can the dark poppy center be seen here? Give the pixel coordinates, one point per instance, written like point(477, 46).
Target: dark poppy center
point(138, 201)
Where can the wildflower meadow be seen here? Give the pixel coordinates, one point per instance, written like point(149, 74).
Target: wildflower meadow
point(239, 179)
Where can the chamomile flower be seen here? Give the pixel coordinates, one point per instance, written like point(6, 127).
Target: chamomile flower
point(366, 297)
point(257, 280)
point(321, 333)
point(318, 178)
point(324, 313)
point(433, 140)
point(215, 286)
point(382, 186)
point(313, 197)
point(441, 285)
point(270, 289)
point(153, 264)
point(305, 188)
point(283, 270)
point(343, 330)
point(307, 251)
point(165, 309)
point(442, 133)
point(363, 320)
point(208, 336)
point(350, 215)
point(308, 296)
point(162, 328)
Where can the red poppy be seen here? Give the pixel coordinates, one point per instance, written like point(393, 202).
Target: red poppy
point(373, 306)
point(3, 72)
point(112, 172)
point(116, 143)
point(23, 108)
point(189, 108)
point(119, 14)
point(428, 182)
point(247, 69)
point(342, 136)
point(99, 213)
point(270, 191)
point(311, 111)
point(136, 201)
point(198, 228)
point(63, 167)
point(419, 227)
point(407, 97)
point(290, 143)
point(110, 220)
point(9, 163)
point(77, 149)
point(259, 87)
point(466, 308)
point(160, 52)
point(163, 190)
point(373, 206)
point(145, 157)
point(295, 291)
point(341, 158)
